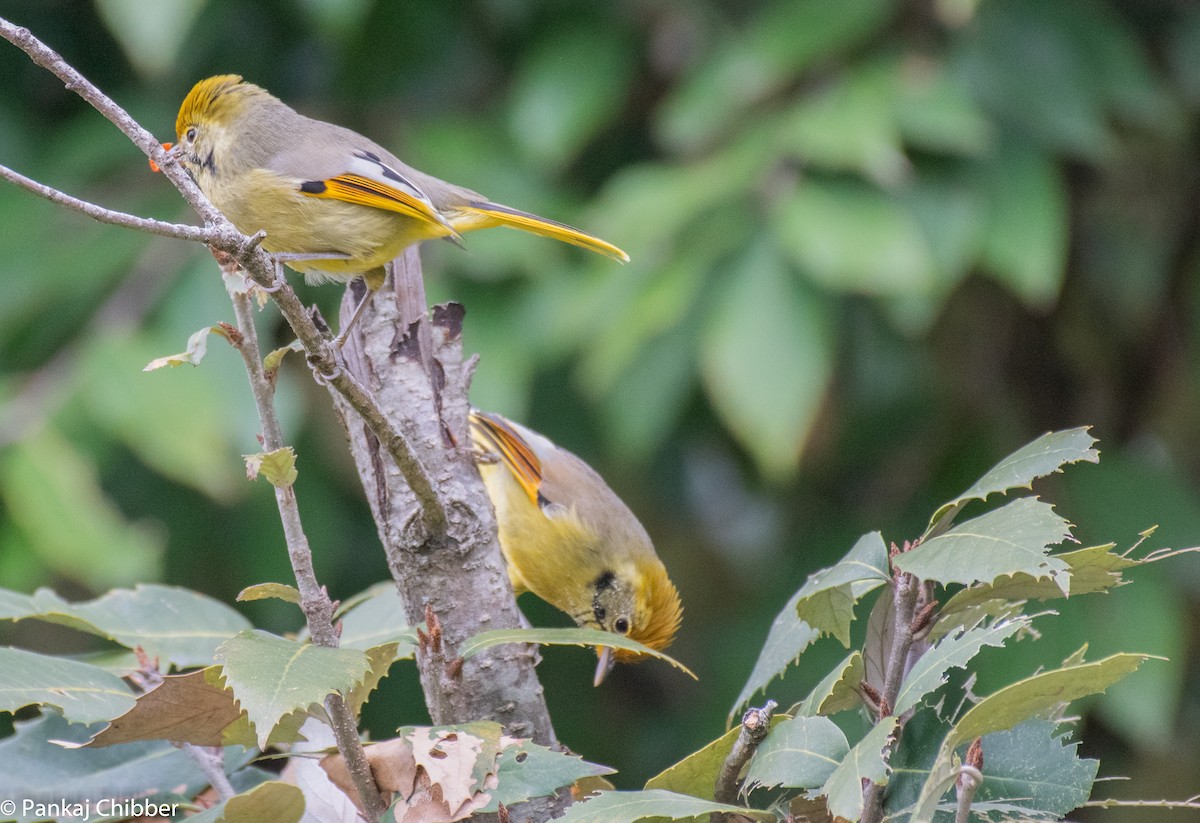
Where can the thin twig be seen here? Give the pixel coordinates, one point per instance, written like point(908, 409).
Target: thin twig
point(224, 236)
point(104, 215)
point(314, 600)
point(755, 725)
point(211, 763)
point(970, 778)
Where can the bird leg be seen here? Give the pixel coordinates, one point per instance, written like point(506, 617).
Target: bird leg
point(340, 340)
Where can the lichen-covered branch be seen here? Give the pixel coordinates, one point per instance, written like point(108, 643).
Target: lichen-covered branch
point(457, 577)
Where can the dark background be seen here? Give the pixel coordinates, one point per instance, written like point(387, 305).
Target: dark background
point(876, 246)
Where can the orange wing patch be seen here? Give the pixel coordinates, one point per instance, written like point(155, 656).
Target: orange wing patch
point(503, 440)
point(353, 188)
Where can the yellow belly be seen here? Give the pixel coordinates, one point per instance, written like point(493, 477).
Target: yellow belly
point(297, 224)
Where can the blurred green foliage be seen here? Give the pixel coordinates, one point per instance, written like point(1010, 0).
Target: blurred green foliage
point(876, 245)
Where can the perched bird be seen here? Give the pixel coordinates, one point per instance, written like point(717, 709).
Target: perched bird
point(570, 540)
point(337, 204)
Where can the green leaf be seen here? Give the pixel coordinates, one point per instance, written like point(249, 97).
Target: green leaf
point(934, 110)
point(267, 591)
point(39, 768)
point(760, 320)
point(1046, 455)
point(568, 87)
point(525, 770)
point(628, 807)
point(826, 601)
point(1092, 569)
point(800, 753)
point(1014, 704)
point(843, 790)
point(1024, 243)
point(52, 494)
point(852, 237)
point(378, 619)
point(837, 691)
point(274, 360)
point(150, 41)
point(563, 637)
point(788, 637)
point(953, 652)
point(696, 774)
point(782, 41)
point(278, 467)
point(83, 693)
point(177, 626)
point(849, 125)
point(273, 677)
point(272, 800)
point(1033, 767)
point(1014, 538)
point(197, 347)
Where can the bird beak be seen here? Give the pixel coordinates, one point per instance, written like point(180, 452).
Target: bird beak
point(172, 151)
point(604, 665)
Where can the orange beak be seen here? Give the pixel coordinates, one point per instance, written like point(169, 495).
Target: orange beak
point(154, 166)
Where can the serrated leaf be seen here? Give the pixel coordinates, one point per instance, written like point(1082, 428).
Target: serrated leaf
point(696, 774)
point(761, 308)
point(177, 626)
point(273, 677)
point(629, 807)
point(83, 693)
point(197, 347)
point(272, 800)
point(267, 591)
point(843, 790)
point(1014, 704)
point(525, 770)
point(1014, 538)
point(837, 691)
point(38, 768)
point(799, 753)
point(563, 637)
point(1034, 768)
point(1045, 455)
point(184, 708)
point(954, 652)
point(826, 601)
point(457, 759)
point(278, 467)
point(788, 637)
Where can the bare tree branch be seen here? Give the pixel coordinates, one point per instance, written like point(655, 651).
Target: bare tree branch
point(115, 218)
point(222, 235)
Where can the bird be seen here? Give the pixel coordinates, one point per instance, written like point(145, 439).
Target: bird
point(568, 538)
point(332, 203)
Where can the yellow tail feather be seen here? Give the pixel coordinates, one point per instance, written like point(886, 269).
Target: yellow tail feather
point(494, 214)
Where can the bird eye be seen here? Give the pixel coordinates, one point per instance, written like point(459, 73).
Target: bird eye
point(622, 625)
point(191, 133)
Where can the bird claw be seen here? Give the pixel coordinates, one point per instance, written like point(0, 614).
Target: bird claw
point(321, 377)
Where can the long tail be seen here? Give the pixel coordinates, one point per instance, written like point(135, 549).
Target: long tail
point(482, 215)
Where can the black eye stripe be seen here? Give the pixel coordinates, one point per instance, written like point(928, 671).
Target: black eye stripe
point(604, 581)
